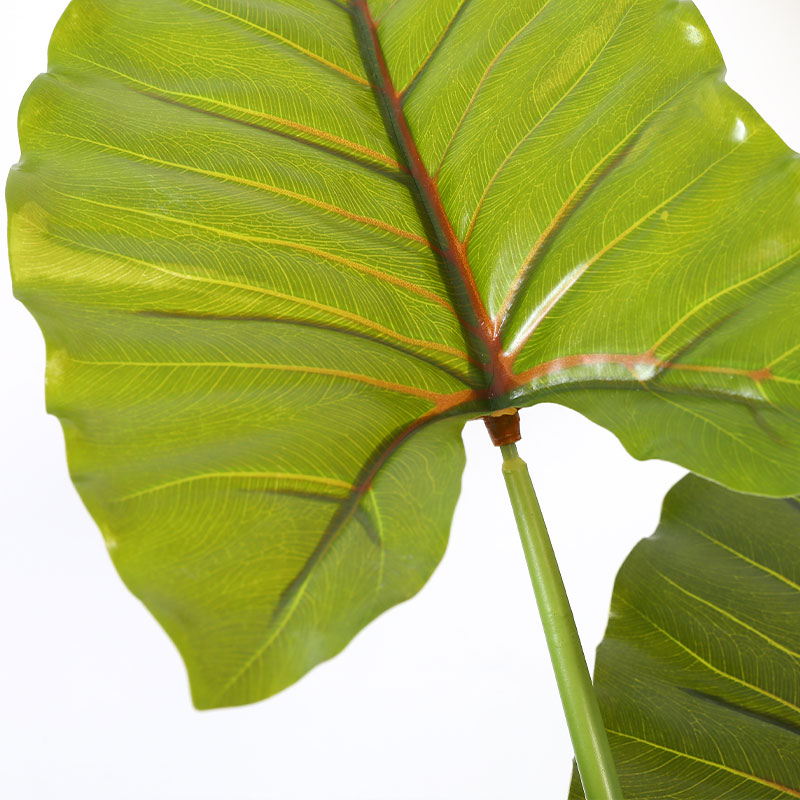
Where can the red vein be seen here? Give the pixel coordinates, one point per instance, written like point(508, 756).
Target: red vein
point(371, 221)
point(376, 273)
point(634, 362)
point(327, 149)
point(434, 397)
point(290, 600)
point(453, 250)
point(314, 132)
point(332, 310)
point(284, 40)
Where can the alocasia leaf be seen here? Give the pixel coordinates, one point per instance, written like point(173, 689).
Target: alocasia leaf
point(282, 249)
point(698, 675)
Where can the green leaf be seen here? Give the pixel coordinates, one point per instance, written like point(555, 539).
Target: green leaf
point(698, 675)
point(281, 251)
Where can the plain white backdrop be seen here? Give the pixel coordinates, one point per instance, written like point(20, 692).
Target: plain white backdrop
point(447, 696)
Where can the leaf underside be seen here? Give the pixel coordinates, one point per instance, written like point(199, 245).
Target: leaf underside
point(282, 250)
point(698, 676)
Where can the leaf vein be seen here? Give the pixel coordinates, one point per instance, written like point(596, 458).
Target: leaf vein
point(425, 61)
point(275, 35)
point(338, 312)
point(276, 476)
point(570, 280)
point(722, 767)
point(277, 190)
point(375, 273)
point(297, 126)
point(708, 664)
point(732, 617)
point(743, 557)
point(481, 82)
point(434, 397)
point(478, 208)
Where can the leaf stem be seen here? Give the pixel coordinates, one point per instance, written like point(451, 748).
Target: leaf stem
point(589, 740)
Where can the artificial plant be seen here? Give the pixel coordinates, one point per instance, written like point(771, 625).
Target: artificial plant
point(282, 250)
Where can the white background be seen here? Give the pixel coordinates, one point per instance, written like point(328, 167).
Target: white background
point(448, 696)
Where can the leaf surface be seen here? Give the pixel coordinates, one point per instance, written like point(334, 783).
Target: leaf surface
point(698, 675)
point(282, 250)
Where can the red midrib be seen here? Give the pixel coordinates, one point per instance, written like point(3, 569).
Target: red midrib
point(496, 367)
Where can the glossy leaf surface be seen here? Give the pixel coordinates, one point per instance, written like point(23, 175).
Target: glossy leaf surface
point(698, 675)
point(282, 250)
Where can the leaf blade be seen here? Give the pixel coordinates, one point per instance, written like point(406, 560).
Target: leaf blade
point(697, 675)
point(264, 239)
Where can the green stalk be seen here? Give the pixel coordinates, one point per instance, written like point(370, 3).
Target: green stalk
point(589, 740)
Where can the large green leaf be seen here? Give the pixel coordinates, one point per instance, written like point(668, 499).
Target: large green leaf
point(282, 249)
point(699, 673)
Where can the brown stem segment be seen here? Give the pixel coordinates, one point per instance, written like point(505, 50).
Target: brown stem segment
point(503, 427)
